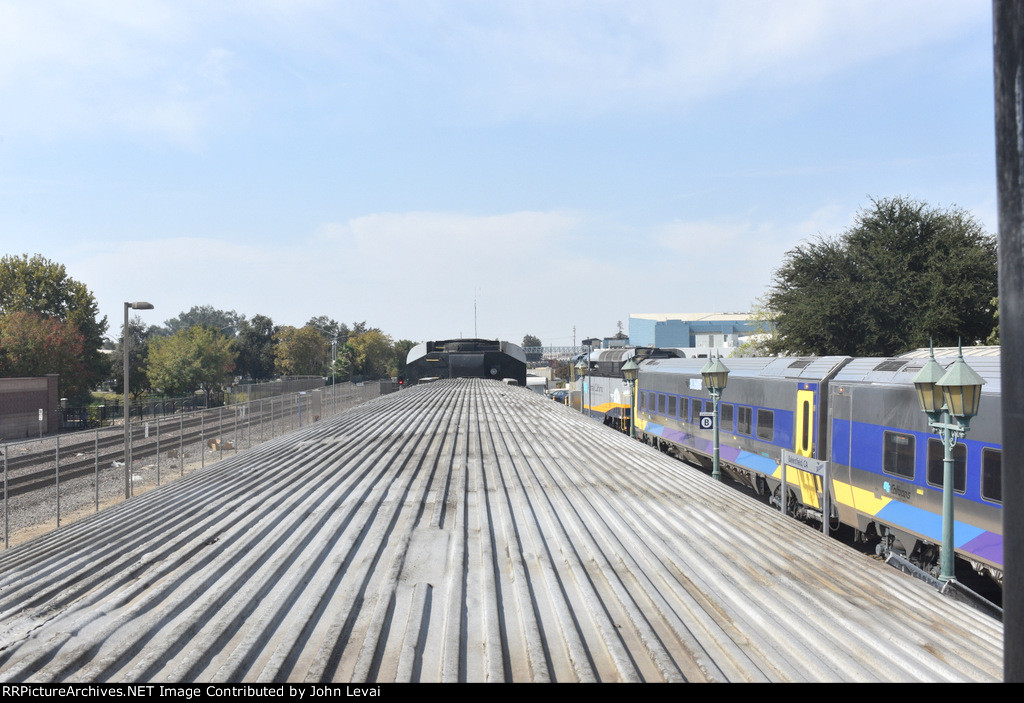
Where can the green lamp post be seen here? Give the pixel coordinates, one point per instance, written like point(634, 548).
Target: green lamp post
point(630, 372)
point(715, 375)
point(581, 371)
point(949, 400)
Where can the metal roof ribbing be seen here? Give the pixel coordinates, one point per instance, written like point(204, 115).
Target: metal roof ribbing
point(466, 531)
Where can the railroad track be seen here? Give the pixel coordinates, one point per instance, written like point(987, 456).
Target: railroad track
point(39, 470)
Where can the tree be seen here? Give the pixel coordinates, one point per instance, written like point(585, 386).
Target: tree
point(224, 321)
point(993, 337)
point(42, 286)
point(34, 345)
point(373, 353)
point(195, 358)
point(903, 275)
point(255, 345)
point(329, 328)
point(301, 352)
point(530, 341)
point(762, 341)
point(401, 353)
point(138, 379)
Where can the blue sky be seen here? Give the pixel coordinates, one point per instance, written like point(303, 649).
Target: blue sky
point(554, 165)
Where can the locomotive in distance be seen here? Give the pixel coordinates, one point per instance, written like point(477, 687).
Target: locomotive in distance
point(465, 358)
point(860, 414)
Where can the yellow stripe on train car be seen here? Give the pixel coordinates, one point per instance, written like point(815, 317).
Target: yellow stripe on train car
point(807, 482)
point(858, 498)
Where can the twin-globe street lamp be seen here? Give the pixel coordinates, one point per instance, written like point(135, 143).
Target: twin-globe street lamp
point(715, 375)
point(950, 399)
point(125, 346)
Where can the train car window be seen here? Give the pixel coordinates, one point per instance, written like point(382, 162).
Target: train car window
point(726, 412)
point(684, 408)
point(743, 420)
point(671, 406)
point(898, 454)
point(992, 475)
point(765, 425)
point(661, 403)
point(936, 456)
point(696, 409)
point(805, 430)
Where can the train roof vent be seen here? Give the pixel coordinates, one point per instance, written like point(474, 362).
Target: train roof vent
point(891, 365)
point(800, 364)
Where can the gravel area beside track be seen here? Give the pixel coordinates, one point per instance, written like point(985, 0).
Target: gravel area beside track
point(220, 433)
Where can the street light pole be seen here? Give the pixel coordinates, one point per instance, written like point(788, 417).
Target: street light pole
point(630, 373)
point(716, 375)
point(125, 349)
point(581, 370)
point(334, 383)
point(949, 400)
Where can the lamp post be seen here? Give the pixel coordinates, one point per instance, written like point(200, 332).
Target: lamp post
point(590, 383)
point(715, 375)
point(581, 371)
point(334, 383)
point(949, 400)
point(630, 372)
point(125, 349)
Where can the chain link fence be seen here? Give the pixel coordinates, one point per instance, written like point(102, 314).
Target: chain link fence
point(55, 480)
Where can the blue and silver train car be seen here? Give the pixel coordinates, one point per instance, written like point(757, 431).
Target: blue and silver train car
point(887, 463)
point(769, 405)
point(861, 415)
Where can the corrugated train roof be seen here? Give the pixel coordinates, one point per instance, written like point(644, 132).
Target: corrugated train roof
point(466, 531)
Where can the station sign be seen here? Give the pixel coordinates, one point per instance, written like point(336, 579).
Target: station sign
point(707, 421)
point(804, 463)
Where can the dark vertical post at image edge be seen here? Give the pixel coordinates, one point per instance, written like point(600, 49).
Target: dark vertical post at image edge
point(1008, 50)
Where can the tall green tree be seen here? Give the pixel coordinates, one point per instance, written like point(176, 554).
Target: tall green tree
point(329, 328)
point(138, 352)
point(401, 352)
point(41, 286)
point(224, 321)
point(192, 359)
point(531, 341)
point(374, 355)
point(255, 344)
point(903, 274)
point(301, 352)
point(34, 345)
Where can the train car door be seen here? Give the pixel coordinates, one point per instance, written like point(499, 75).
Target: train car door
point(804, 439)
point(809, 484)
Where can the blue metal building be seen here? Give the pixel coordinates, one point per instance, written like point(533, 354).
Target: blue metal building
point(690, 329)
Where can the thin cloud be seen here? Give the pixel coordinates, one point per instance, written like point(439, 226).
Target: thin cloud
point(181, 68)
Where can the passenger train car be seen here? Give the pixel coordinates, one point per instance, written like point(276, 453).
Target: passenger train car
point(861, 415)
